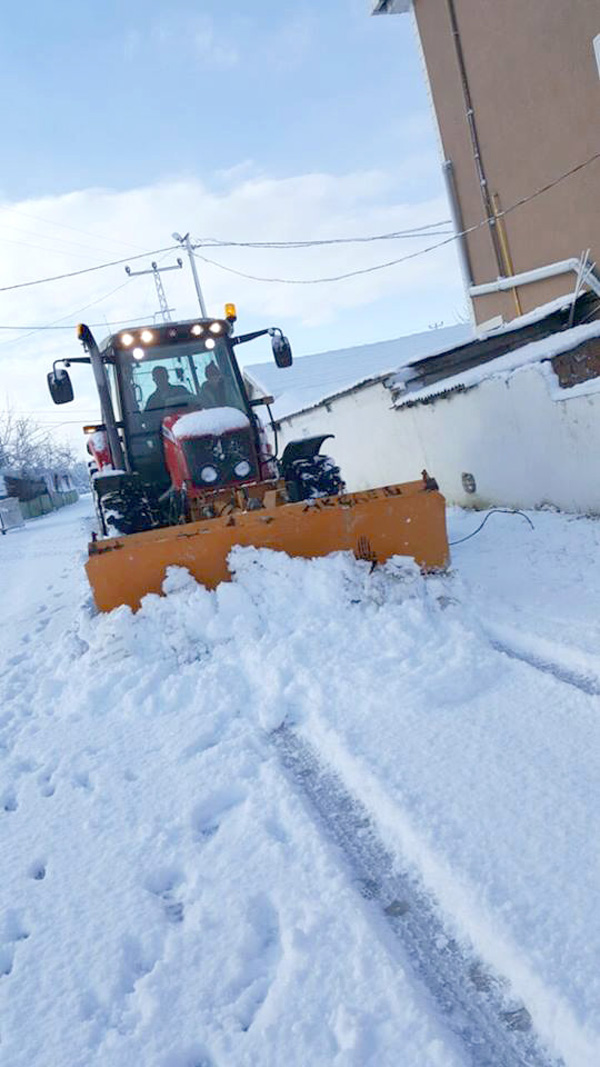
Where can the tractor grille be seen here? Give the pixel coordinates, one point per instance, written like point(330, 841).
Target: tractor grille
point(221, 454)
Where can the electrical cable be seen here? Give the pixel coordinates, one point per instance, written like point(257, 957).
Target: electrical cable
point(9, 209)
point(86, 270)
point(411, 255)
point(53, 326)
point(73, 325)
point(428, 230)
point(314, 281)
point(493, 511)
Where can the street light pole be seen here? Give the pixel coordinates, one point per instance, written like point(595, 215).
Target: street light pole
point(186, 243)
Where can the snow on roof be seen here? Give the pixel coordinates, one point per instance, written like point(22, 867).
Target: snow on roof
point(313, 379)
point(534, 352)
point(540, 312)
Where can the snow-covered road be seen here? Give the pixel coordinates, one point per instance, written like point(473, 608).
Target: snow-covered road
point(170, 894)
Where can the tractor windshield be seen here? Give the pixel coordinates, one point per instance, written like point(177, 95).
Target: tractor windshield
point(184, 377)
point(188, 376)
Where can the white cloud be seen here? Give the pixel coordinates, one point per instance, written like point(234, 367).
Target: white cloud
point(94, 225)
point(195, 38)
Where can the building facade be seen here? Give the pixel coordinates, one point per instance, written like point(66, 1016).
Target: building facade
point(516, 92)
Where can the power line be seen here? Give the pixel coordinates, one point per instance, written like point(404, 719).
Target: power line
point(314, 281)
point(9, 209)
point(73, 325)
point(428, 230)
point(85, 270)
point(411, 255)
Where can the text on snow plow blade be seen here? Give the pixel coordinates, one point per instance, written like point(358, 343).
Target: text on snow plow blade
point(182, 470)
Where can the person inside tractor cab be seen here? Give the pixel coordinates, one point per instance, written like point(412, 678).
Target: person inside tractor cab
point(213, 391)
point(167, 395)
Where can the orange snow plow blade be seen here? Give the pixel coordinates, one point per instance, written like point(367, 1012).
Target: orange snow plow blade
point(403, 520)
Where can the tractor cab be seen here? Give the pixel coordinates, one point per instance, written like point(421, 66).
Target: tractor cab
point(163, 374)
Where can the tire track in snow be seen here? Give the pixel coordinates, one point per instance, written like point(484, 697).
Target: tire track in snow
point(495, 1031)
point(586, 683)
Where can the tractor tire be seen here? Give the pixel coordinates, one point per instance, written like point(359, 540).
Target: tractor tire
point(311, 478)
point(125, 510)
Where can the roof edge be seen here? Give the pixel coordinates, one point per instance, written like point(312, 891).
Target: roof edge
point(390, 7)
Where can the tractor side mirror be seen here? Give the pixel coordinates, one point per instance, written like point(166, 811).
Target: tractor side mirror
point(59, 384)
point(282, 352)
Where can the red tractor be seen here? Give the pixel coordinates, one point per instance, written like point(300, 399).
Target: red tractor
point(180, 454)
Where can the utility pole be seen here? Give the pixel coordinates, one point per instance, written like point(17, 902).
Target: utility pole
point(187, 244)
point(165, 310)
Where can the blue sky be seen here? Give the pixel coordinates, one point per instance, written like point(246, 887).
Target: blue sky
point(117, 93)
point(245, 120)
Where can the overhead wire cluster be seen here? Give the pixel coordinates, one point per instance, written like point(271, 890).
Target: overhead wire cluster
point(425, 231)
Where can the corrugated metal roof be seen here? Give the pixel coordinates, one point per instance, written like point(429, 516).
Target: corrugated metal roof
point(316, 378)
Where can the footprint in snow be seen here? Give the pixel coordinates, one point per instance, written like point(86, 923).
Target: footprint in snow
point(46, 783)
point(82, 780)
point(8, 801)
point(37, 870)
point(202, 744)
point(208, 815)
point(261, 952)
point(163, 884)
point(14, 931)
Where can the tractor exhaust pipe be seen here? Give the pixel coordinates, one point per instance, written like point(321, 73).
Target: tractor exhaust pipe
point(108, 415)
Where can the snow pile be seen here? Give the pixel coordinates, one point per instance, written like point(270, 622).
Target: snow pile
point(214, 421)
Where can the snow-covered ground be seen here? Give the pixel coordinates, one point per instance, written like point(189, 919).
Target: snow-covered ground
point(169, 897)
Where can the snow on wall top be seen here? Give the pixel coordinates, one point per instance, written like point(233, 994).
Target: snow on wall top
point(213, 421)
point(316, 378)
point(534, 352)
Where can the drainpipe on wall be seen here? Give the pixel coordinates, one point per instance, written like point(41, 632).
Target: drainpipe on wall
point(501, 230)
point(470, 116)
point(458, 223)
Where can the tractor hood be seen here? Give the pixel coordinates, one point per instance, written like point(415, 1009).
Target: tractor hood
point(210, 423)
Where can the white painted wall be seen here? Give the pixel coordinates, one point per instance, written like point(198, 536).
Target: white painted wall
point(524, 446)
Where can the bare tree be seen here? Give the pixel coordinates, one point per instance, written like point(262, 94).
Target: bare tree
point(29, 449)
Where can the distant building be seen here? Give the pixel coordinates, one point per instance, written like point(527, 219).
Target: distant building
point(516, 92)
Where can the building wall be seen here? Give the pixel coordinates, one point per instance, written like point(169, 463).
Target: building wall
point(523, 446)
point(535, 89)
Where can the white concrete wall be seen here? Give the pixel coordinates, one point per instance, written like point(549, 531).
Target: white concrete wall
point(523, 447)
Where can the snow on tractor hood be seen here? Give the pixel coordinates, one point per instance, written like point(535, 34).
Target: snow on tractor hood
point(215, 422)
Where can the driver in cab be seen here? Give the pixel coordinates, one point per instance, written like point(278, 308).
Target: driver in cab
point(165, 394)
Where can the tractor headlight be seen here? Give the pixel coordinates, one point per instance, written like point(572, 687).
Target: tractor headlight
point(209, 474)
point(209, 343)
point(215, 327)
point(197, 330)
point(138, 353)
point(127, 339)
point(147, 337)
point(242, 469)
